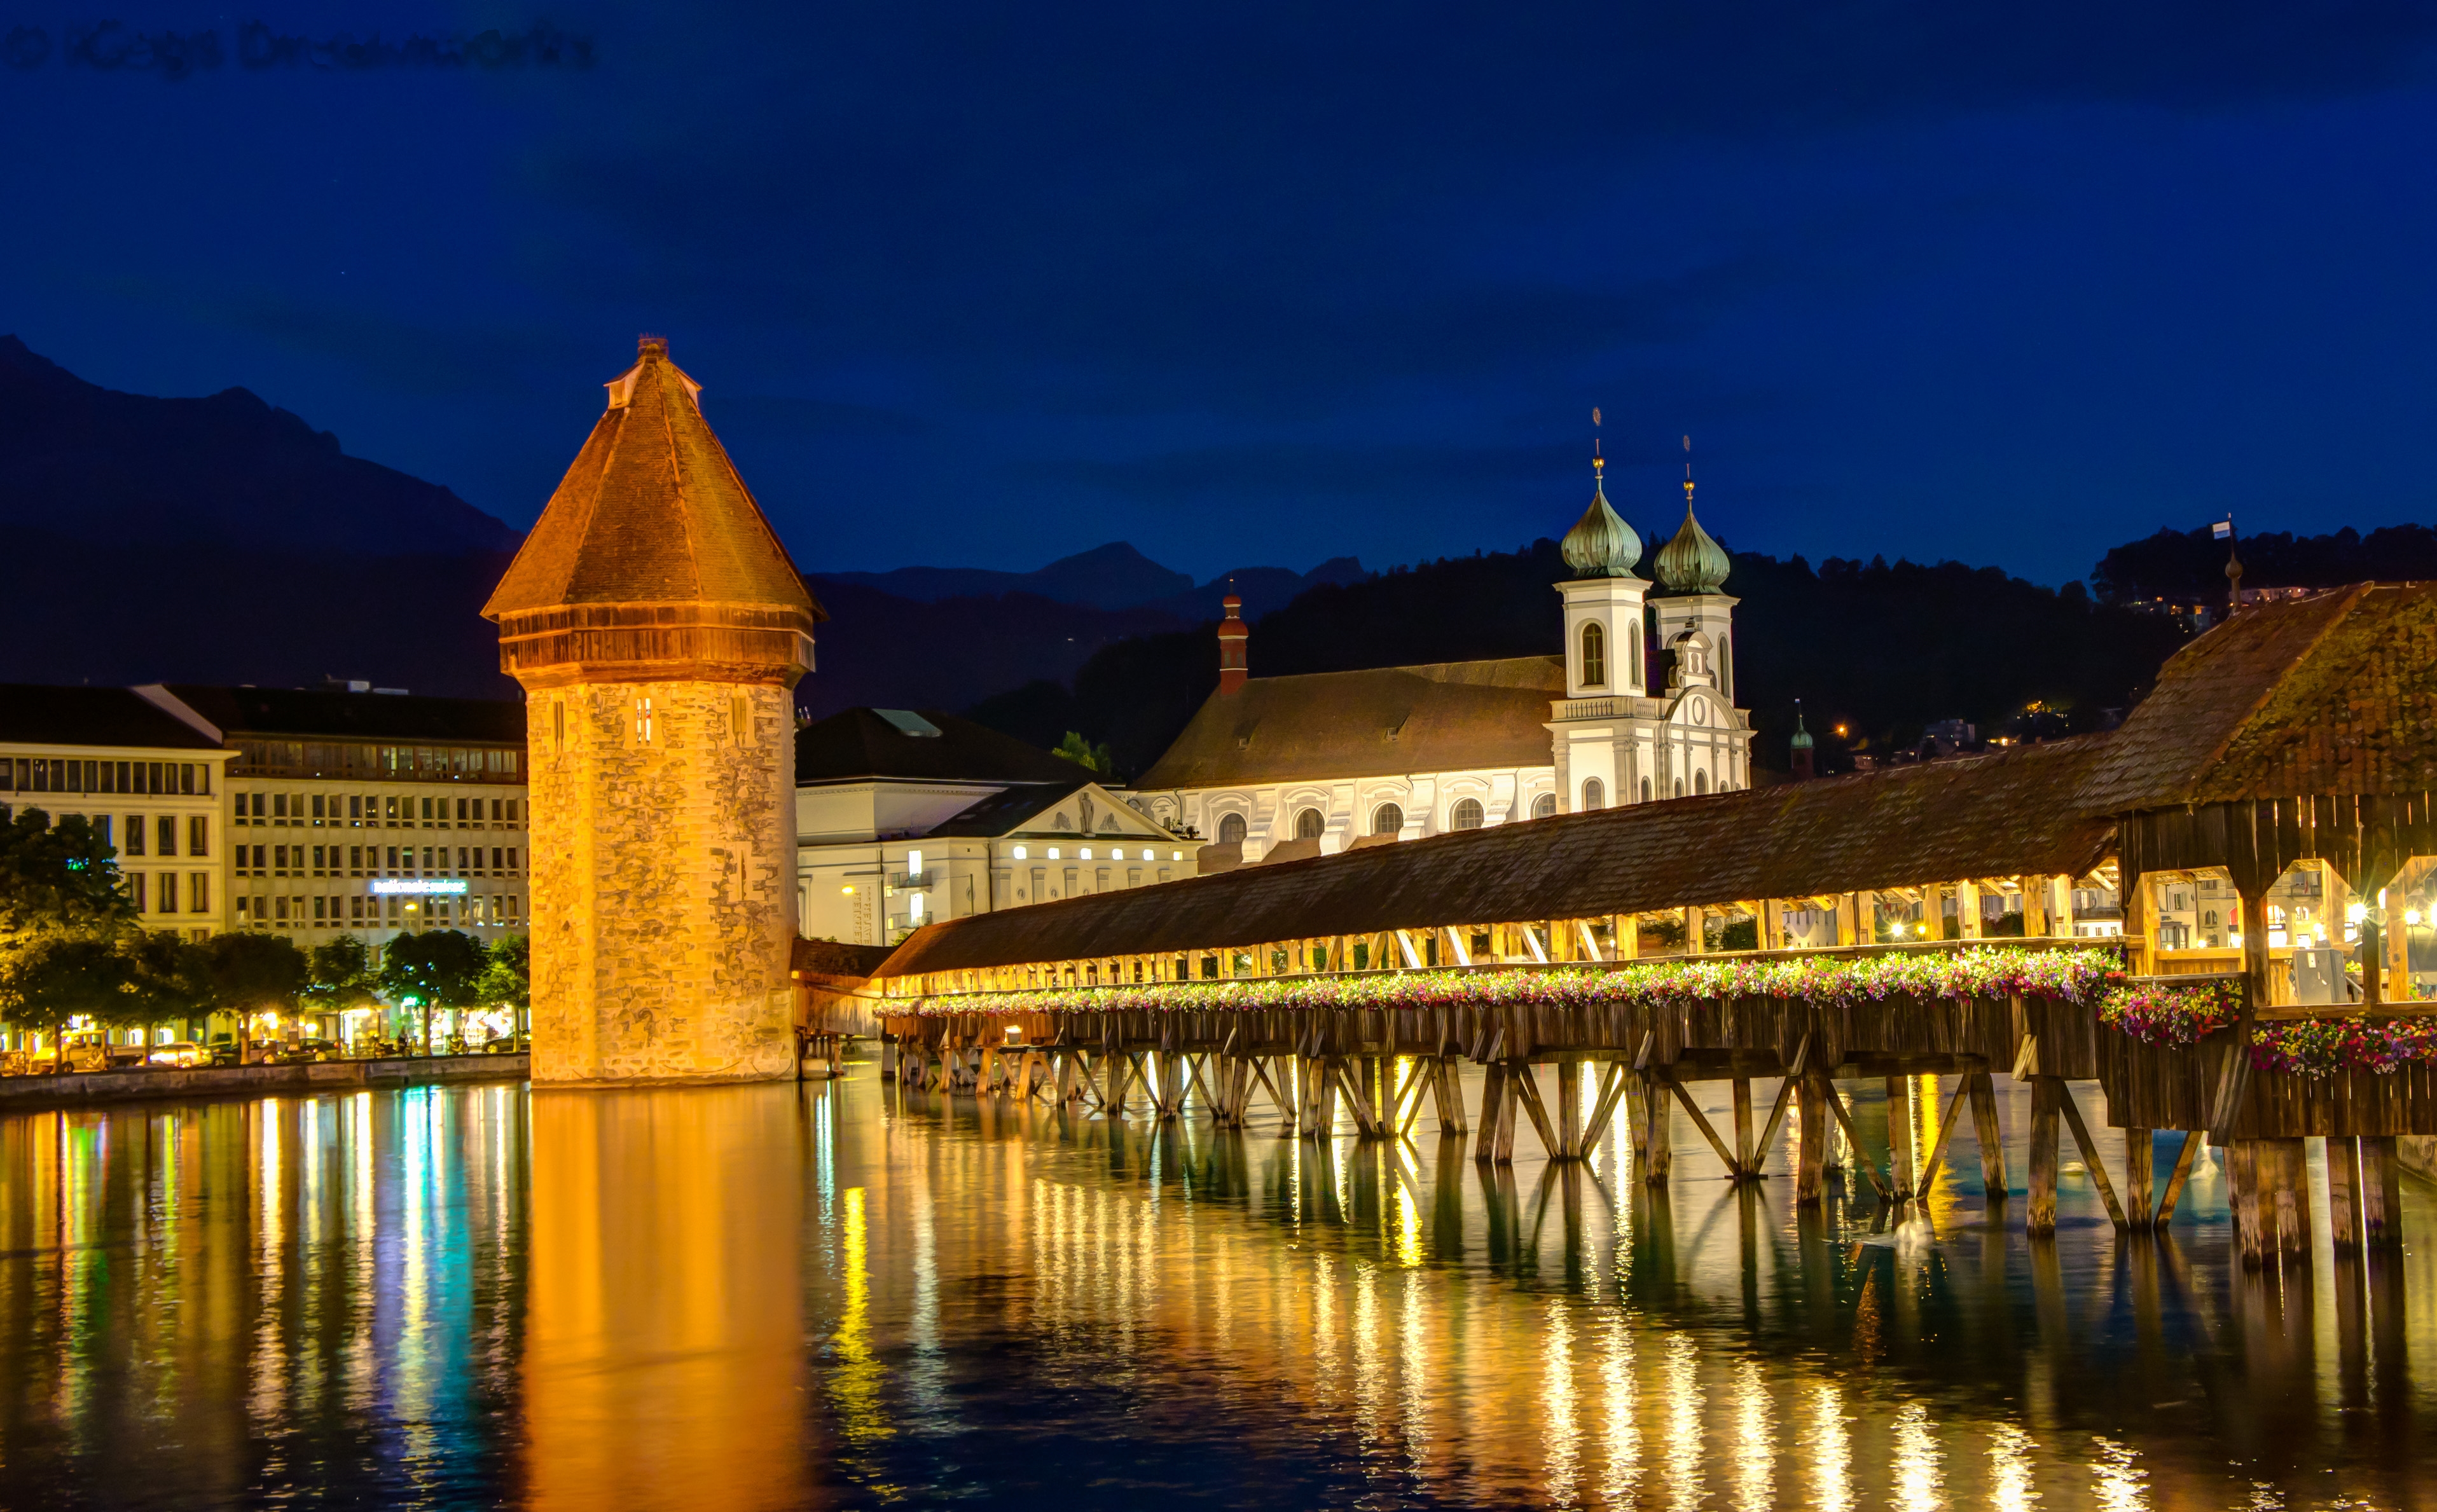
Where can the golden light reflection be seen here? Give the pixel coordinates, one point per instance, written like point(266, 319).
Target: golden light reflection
point(664, 1351)
point(1683, 1378)
point(1561, 1432)
point(1755, 1448)
point(854, 1383)
point(2117, 1479)
point(2012, 1488)
point(1919, 1477)
point(1622, 1432)
point(1829, 1441)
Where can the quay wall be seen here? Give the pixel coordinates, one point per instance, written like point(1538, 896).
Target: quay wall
point(81, 1088)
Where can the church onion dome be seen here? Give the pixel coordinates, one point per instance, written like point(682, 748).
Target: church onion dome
point(1803, 741)
point(1692, 563)
point(1600, 545)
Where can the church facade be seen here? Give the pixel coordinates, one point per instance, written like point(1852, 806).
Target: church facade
point(1640, 708)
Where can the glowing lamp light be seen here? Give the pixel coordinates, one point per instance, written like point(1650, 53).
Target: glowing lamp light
point(2355, 913)
point(849, 891)
point(2412, 916)
point(1019, 853)
point(1052, 853)
point(1086, 853)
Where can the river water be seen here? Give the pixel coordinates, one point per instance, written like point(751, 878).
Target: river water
point(847, 1294)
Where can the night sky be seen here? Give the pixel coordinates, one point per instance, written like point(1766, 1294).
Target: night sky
point(988, 284)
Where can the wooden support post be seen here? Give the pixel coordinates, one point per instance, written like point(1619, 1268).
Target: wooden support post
point(2381, 1192)
point(1611, 1090)
point(1493, 1103)
point(1985, 1128)
point(2182, 1173)
point(1570, 1110)
point(1811, 1130)
point(1658, 1140)
point(1529, 1085)
point(2344, 1192)
point(2293, 1194)
point(1900, 1136)
point(1501, 1134)
point(1845, 1121)
point(1701, 1121)
point(1945, 1130)
point(2046, 1103)
point(2089, 1148)
point(1747, 1162)
point(1447, 1083)
point(2242, 1174)
point(2140, 1182)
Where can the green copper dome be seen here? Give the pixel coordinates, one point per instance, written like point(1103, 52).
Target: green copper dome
point(1600, 545)
point(1692, 563)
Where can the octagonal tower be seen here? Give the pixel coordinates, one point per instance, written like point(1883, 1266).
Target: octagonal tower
point(657, 627)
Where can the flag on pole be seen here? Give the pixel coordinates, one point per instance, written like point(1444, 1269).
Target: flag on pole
point(2223, 529)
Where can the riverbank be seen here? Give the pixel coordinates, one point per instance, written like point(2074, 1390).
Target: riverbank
point(82, 1087)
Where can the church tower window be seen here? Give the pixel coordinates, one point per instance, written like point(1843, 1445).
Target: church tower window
point(1309, 825)
point(1544, 806)
point(1594, 794)
point(1231, 831)
point(1464, 815)
point(1594, 655)
point(1387, 819)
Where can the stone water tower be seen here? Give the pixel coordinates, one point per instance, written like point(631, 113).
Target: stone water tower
point(658, 627)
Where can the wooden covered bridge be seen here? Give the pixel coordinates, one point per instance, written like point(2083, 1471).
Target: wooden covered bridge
point(2021, 913)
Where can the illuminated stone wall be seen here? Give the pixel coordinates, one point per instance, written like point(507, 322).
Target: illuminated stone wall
point(663, 881)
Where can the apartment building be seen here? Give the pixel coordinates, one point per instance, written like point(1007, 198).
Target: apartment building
point(155, 785)
point(367, 814)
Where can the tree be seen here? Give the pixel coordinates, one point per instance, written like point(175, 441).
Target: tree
point(435, 968)
point(507, 977)
point(339, 975)
point(1084, 754)
point(246, 973)
point(68, 936)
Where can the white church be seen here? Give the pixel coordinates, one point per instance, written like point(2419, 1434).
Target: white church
point(1641, 706)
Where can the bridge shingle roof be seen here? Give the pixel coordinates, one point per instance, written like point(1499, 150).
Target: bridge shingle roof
point(2002, 815)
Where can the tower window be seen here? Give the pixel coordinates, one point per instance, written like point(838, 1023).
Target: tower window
point(1466, 814)
point(1231, 829)
point(1645, 789)
point(1309, 825)
point(1387, 819)
point(1544, 806)
point(1594, 794)
point(643, 720)
point(1594, 655)
point(1701, 781)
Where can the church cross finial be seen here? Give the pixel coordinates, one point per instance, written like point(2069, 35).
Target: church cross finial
point(1688, 474)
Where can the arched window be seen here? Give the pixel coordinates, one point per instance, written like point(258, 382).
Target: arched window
point(1231, 831)
point(1645, 789)
point(1594, 794)
point(1594, 655)
point(1701, 780)
point(1679, 786)
point(1464, 815)
point(1544, 806)
point(1308, 824)
point(1387, 820)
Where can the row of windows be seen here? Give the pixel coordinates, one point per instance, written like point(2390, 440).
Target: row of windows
point(281, 860)
point(1036, 887)
point(1116, 854)
point(315, 759)
point(337, 910)
point(159, 893)
point(161, 835)
point(45, 775)
point(374, 809)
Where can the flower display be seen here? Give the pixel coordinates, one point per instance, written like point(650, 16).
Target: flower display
point(2070, 975)
point(2324, 1046)
point(2162, 1014)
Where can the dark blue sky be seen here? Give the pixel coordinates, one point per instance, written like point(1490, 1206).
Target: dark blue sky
point(987, 285)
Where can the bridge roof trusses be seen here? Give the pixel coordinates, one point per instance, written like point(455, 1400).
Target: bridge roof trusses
point(2007, 815)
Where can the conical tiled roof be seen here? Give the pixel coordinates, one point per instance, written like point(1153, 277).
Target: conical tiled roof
point(651, 512)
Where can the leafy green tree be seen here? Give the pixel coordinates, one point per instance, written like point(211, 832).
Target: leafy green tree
point(1084, 754)
point(246, 973)
point(434, 970)
point(166, 979)
point(507, 977)
point(339, 975)
point(67, 933)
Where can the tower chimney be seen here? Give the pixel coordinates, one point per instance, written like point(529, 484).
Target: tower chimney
point(1232, 633)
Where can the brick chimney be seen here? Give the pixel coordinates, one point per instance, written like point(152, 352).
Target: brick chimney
point(1232, 633)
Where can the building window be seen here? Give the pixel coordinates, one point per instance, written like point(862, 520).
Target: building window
point(1309, 825)
point(199, 892)
point(1231, 831)
point(1464, 815)
point(1594, 655)
point(168, 891)
point(1594, 794)
point(135, 892)
point(1645, 789)
point(134, 834)
point(1544, 806)
point(198, 835)
point(1387, 820)
point(1701, 780)
point(643, 720)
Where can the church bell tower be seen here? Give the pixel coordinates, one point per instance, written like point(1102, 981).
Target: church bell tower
point(657, 628)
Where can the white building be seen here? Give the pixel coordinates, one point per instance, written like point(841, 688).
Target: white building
point(904, 817)
point(1641, 706)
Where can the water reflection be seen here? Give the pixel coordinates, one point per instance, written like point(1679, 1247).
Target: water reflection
point(845, 1295)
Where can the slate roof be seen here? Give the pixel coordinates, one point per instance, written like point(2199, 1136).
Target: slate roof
point(2333, 694)
point(1440, 716)
point(1001, 812)
point(859, 744)
point(1999, 815)
point(310, 714)
point(38, 713)
point(651, 512)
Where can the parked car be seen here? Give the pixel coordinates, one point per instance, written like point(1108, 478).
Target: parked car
point(504, 1045)
point(179, 1052)
point(91, 1051)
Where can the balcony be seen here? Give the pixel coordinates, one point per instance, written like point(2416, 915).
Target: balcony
point(914, 881)
point(1589, 709)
